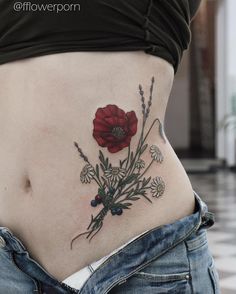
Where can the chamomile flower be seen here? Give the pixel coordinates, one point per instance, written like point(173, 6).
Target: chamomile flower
point(156, 153)
point(87, 174)
point(115, 173)
point(157, 187)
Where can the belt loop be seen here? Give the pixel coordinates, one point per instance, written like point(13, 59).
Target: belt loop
point(207, 217)
point(208, 220)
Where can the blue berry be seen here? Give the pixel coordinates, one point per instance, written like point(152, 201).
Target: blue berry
point(119, 211)
point(93, 203)
point(113, 211)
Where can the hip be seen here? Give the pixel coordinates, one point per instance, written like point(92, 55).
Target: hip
point(47, 221)
point(173, 258)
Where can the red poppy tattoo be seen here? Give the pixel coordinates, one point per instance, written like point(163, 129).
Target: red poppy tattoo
point(120, 185)
point(113, 128)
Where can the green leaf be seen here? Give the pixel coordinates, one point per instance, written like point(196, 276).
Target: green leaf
point(130, 178)
point(97, 170)
point(102, 167)
point(130, 192)
point(134, 198)
point(125, 205)
point(128, 204)
point(123, 161)
point(101, 192)
point(137, 186)
point(101, 157)
point(106, 163)
point(104, 180)
point(131, 156)
point(146, 181)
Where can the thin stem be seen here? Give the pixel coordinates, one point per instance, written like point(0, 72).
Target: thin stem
point(127, 157)
point(144, 139)
point(146, 169)
point(139, 146)
point(99, 184)
point(157, 119)
point(138, 178)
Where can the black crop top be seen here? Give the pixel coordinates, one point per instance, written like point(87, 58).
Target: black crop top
point(158, 27)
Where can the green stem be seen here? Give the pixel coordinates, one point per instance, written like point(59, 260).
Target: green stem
point(127, 161)
point(146, 169)
point(144, 139)
point(155, 120)
point(99, 184)
point(99, 180)
point(139, 146)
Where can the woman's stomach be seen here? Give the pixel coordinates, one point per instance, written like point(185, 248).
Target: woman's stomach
point(85, 163)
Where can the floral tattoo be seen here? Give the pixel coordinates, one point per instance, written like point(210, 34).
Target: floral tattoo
point(119, 186)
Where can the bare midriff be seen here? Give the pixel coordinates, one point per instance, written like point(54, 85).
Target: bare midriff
point(46, 104)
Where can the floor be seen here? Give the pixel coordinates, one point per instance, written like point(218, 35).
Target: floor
point(218, 190)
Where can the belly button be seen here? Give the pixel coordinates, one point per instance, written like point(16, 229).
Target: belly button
point(27, 186)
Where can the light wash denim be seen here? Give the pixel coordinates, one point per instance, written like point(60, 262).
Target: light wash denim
point(172, 258)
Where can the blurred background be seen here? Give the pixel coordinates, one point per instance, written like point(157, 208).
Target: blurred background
point(205, 88)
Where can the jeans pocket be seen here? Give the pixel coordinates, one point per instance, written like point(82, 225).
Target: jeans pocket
point(152, 277)
point(142, 282)
point(214, 277)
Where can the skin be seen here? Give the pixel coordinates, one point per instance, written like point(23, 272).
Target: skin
point(46, 104)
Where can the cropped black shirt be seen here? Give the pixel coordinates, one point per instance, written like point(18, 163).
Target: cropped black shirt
point(37, 27)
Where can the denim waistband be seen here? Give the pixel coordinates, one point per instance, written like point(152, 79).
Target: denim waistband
point(157, 241)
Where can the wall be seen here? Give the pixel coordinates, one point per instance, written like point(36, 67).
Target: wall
point(177, 117)
point(226, 79)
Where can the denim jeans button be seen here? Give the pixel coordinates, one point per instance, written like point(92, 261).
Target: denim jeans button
point(2, 242)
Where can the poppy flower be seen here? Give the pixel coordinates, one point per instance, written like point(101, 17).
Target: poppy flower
point(113, 128)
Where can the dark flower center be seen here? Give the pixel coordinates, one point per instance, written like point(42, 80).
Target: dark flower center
point(118, 132)
point(115, 171)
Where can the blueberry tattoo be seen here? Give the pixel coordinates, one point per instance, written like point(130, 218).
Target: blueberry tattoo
point(119, 186)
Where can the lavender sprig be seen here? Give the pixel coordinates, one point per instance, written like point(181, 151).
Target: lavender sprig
point(150, 99)
point(85, 158)
point(142, 99)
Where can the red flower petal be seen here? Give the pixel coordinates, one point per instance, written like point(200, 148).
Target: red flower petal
point(132, 122)
point(100, 140)
point(114, 149)
point(122, 122)
point(98, 126)
point(99, 113)
point(106, 119)
point(111, 121)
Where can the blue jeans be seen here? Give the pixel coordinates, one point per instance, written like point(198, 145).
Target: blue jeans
point(172, 258)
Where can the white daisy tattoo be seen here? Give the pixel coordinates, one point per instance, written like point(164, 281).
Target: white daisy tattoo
point(115, 173)
point(140, 164)
point(87, 174)
point(157, 187)
point(156, 153)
